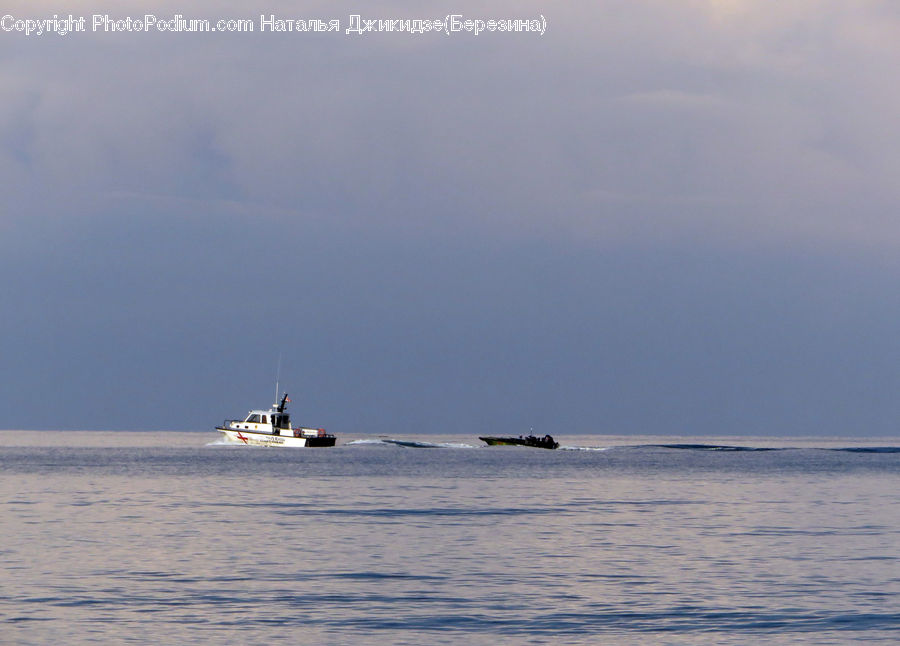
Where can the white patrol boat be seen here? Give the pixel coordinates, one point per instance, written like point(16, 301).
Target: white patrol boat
point(272, 427)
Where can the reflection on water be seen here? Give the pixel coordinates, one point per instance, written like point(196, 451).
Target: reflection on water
point(158, 537)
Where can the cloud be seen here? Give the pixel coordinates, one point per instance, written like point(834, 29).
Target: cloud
point(770, 109)
point(641, 202)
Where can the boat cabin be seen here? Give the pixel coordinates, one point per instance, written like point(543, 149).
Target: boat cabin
point(274, 421)
point(267, 421)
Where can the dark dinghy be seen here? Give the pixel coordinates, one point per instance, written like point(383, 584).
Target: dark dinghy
point(545, 442)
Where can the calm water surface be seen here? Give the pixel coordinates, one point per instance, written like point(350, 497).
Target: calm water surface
point(172, 538)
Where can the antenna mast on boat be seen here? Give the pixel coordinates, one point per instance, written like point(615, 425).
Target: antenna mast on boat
point(277, 377)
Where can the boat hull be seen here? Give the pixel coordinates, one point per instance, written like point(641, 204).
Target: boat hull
point(535, 442)
point(251, 438)
point(327, 440)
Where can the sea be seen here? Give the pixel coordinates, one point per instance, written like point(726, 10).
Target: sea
point(179, 538)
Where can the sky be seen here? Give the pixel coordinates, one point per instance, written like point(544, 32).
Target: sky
point(657, 217)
